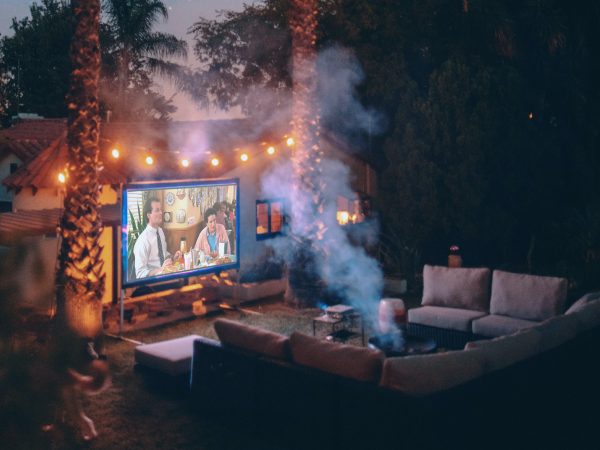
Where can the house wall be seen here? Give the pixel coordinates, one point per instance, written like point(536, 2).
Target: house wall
point(53, 198)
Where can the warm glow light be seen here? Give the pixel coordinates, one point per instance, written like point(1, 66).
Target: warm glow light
point(244, 157)
point(61, 178)
point(531, 115)
point(149, 160)
point(185, 163)
point(215, 162)
point(343, 217)
point(271, 150)
point(290, 142)
point(115, 153)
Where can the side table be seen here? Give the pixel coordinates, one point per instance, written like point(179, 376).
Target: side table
point(348, 329)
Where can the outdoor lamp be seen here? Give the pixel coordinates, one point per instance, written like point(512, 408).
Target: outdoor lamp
point(290, 142)
point(244, 157)
point(215, 162)
point(115, 153)
point(271, 150)
point(61, 177)
point(185, 163)
point(149, 160)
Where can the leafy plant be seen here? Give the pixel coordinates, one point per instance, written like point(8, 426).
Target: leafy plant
point(137, 226)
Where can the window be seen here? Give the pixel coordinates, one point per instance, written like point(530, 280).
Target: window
point(5, 206)
point(270, 218)
point(353, 209)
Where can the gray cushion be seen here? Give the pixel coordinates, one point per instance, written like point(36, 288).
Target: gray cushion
point(424, 374)
point(173, 357)
point(557, 330)
point(588, 315)
point(363, 364)
point(527, 297)
point(245, 336)
point(456, 287)
point(583, 301)
point(494, 325)
point(507, 350)
point(449, 318)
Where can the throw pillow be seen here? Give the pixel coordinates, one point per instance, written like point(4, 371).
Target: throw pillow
point(426, 374)
point(528, 297)
point(348, 361)
point(456, 287)
point(252, 338)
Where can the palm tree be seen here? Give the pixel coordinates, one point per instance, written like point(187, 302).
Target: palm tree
point(136, 45)
point(80, 283)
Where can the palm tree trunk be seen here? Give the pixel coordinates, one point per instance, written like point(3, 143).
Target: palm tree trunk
point(80, 283)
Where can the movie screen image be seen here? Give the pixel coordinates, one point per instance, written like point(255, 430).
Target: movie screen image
point(180, 229)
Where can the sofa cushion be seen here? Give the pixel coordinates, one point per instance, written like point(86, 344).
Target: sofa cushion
point(506, 350)
point(252, 338)
point(360, 363)
point(425, 374)
point(557, 330)
point(580, 304)
point(588, 316)
point(449, 318)
point(495, 325)
point(527, 297)
point(456, 287)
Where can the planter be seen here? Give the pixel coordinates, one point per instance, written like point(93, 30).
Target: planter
point(395, 285)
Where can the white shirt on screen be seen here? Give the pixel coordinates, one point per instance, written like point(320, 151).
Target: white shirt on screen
point(146, 251)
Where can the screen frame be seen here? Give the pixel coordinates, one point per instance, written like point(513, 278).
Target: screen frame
point(172, 184)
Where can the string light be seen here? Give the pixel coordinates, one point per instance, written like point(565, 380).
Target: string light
point(290, 142)
point(115, 153)
point(271, 150)
point(149, 160)
point(244, 157)
point(61, 177)
point(185, 163)
point(215, 162)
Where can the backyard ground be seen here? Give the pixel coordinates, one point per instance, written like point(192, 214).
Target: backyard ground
point(139, 411)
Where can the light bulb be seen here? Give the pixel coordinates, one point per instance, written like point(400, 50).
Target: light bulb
point(271, 150)
point(215, 162)
point(61, 177)
point(244, 157)
point(149, 160)
point(185, 163)
point(115, 153)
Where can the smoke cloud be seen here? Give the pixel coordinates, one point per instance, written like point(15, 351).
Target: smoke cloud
point(349, 272)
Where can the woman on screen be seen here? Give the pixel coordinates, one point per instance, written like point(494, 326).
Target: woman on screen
point(212, 235)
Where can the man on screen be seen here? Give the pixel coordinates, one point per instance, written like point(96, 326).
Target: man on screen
point(150, 250)
point(211, 235)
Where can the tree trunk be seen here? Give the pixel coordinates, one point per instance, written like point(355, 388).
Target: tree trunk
point(307, 197)
point(80, 283)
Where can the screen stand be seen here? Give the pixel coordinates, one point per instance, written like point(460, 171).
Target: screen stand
point(122, 313)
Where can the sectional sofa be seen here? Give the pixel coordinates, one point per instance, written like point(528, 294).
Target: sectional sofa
point(458, 305)
point(535, 388)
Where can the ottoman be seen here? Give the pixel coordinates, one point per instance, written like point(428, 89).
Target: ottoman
point(173, 357)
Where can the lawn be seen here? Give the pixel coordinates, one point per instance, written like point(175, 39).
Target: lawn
point(134, 413)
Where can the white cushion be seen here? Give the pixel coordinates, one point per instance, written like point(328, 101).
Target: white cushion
point(173, 357)
point(557, 330)
point(527, 297)
point(507, 350)
point(425, 374)
point(449, 318)
point(583, 301)
point(588, 315)
point(494, 325)
point(456, 287)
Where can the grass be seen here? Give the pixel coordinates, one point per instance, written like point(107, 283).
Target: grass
point(135, 413)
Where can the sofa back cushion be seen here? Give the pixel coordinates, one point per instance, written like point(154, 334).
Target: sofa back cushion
point(557, 330)
point(580, 304)
point(506, 350)
point(348, 361)
point(528, 297)
point(456, 287)
point(425, 374)
point(252, 338)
